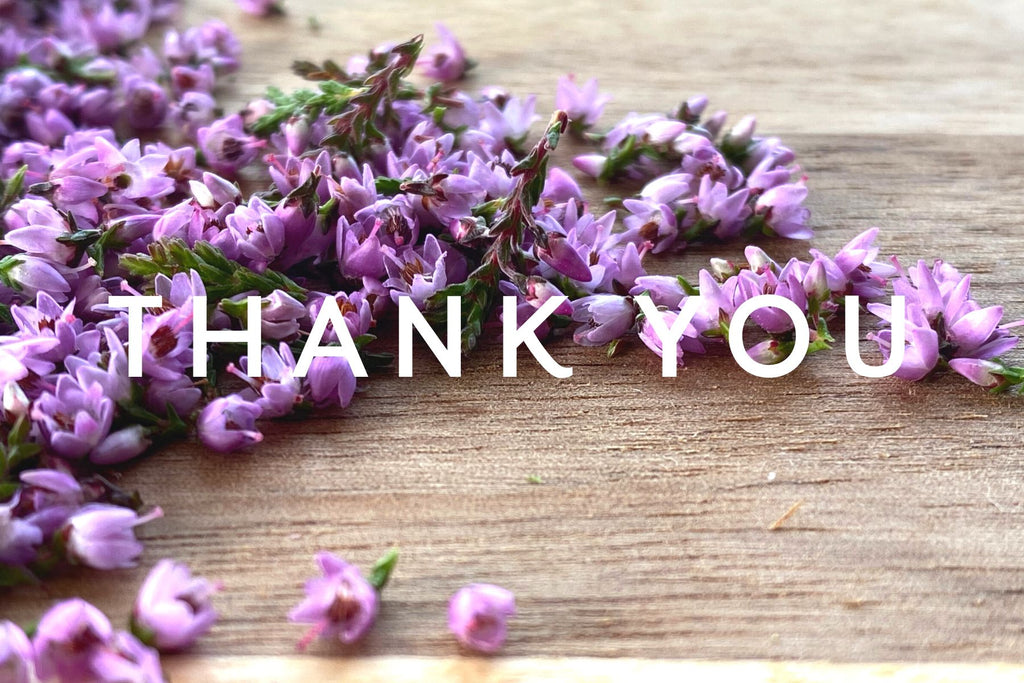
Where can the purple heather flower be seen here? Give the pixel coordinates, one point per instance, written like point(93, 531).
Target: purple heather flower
point(651, 221)
point(688, 342)
point(560, 255)
point(173, 608)
point(341, 604)
point(17, 659)
point(478, 616)
point(18, 538)
point(445, 61)
point(415, 275)
point(921, 351)
point(145, 103)
point(30, 275)
point(692, 109)
point(559, 188)
point(121, 446)
point(74, 643)
point(102, 536)
point(277, 391)
point(539, 290)
point(186, 79)
point(725, 211)
point(259, 8)
point(227, 146)
point(280, 315)
point(984, 373)
point(194, 110)
point(783, 211)
point(128, 660)
point(20, 356)
point(510, 123)
point(257, 233)
point(607, 317)
point(355, 308)
point(52, 496)
point(74, 419)
point(583, 104)
point(181, 393)
point(167, 343)
point(229, 423)
point(664, 290)
point(69, 637)
point(854, 269)
point(330, 381)
point(942, 320)
point(359, 253)
point(591, 164)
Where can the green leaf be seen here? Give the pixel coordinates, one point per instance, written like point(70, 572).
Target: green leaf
point(222, 277)
point(15, 576)
point(7, 490)
point(382, 568)
point(388, 186)
point(687, 287)
point(11, 190)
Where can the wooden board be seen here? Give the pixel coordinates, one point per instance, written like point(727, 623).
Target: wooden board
point(648, 536)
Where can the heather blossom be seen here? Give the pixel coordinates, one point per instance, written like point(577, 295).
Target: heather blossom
point(103, 537)
point(229, 423)
point(17, 660)
point(75, 642)
point(173, 608)
point(340, 605)
point(584, 105)
point(445, 61)
point(943, 322)
point(478, 616)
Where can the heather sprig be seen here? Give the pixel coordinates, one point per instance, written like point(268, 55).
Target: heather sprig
point(512, 223)
point(223, 277)
point(351, 105)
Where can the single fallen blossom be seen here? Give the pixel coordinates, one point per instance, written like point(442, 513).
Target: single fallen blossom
point(173, 608)
point(342, 604)
point(103, 536)
point(478, 616)
point(260, 8)
point(75, 642)
point(445, 61)
point(17, 659)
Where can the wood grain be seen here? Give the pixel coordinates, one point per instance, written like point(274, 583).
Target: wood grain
point(569, 670)
point(647, 537)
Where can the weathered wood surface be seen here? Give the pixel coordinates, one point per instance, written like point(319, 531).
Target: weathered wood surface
point(648, 536)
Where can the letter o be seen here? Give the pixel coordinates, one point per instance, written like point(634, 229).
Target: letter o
point(800, 344)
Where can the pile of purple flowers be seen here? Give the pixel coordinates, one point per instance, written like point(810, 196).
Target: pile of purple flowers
point(375, 187)
point(75, 641)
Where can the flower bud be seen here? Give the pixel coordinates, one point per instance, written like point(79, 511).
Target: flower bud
point(15, 401)
point(758, 260)
point(743, 131)
point(722, 269)
point(714, 124)
point(815, 282)
point(591, 164)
